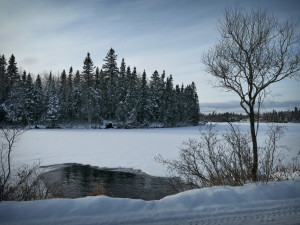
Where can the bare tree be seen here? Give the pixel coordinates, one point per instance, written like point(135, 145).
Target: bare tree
point(10, 137)
point(22, 182)
point(255, 51)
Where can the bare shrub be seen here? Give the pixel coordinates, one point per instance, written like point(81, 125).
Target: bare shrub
point(223, 159)
point(9, 137)
point(270, 158)
point(23, 183)
point(26, 184)
point(54, 191)
point(98, 189)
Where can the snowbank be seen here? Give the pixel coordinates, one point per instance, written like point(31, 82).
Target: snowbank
point(273, 203)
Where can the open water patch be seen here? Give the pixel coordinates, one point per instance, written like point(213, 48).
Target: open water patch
point(76, 180)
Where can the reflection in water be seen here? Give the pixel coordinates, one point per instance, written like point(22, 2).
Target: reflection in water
point(79, 181)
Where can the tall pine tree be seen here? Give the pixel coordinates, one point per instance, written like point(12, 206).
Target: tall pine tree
point(111, 72)
point(87, 87)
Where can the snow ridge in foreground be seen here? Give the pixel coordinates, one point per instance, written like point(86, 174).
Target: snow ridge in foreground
point(273, 203)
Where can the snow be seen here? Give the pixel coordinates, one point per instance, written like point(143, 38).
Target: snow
point(121, 148)
point(272, 203)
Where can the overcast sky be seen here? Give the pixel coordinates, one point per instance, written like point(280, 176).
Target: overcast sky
point(168, 35)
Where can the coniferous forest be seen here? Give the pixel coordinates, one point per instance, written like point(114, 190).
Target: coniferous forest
point(95, 96)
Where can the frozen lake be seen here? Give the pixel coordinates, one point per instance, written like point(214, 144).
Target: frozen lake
point(120, 148)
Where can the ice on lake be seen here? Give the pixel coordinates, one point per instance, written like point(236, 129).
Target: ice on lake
point(122, 148)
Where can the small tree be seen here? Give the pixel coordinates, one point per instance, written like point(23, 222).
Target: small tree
point(23, 182)
point(10, 137)
point(255, 51)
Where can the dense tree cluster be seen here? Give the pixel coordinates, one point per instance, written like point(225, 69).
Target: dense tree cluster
point(222, 117)
point(271, 117)
point(282, 116)
point(94, 95)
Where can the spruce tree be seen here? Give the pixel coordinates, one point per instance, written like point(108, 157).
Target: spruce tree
point(111, 72)
point(14, 101)
point(70, 96)
point(12, 72)
point(143, 106)
point(123, 109)
point(28, 102)
point(3, 80)
point(169, 102)
point(122, 84)
point(52, 114)
point(77, 99)
point(154, 97)
point(97, 108)
point(3, 87)
point(132, 99)
point(38, 98)
point(63, 95)
point(87, 84)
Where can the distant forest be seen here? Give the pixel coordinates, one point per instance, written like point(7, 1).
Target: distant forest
point(111, 94)
point(272, 117)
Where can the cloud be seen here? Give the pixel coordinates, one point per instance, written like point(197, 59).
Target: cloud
point(168, 35)
point(29, 61)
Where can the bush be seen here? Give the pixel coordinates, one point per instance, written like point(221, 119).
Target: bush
point(223, 159)
point(23, 183)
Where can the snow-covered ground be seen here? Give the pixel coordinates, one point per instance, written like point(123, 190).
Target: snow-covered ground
point(131, 148)
point(273, 204)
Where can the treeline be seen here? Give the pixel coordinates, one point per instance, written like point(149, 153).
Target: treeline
point(282, 116)
point(271, 117)
point(116, 94)
point(222, 117)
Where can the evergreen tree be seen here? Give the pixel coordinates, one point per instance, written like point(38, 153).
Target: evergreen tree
point(52, 103)
point(132, 100)
point(111, 72)
point(121, 111)
point(70, 96)
point(191, 105)
point(14, 102)
point(169, 102)
point(112, 94)
point(97, 97)
point(63, 95)
point(143, 106)
point(38, 99)
point(122, 84)
point(12, 72)
point(178, 98)
point(28, 101)
point(104, 95)
point(77, 97)
point(3, 80)
point(3, 87)
point(87, 84)
point(155, 97)
point(194, 105)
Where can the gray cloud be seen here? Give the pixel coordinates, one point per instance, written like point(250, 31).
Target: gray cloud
point(153, 35)
point(29, 61)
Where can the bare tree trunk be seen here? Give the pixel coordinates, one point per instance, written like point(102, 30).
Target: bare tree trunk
point(254, 145)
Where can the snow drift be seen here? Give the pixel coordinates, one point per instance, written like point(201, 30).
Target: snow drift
point(272, 203)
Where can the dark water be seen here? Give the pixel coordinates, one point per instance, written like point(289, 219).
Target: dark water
point(77, 180)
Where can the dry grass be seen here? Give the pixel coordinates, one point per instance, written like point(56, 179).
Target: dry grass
point(98, 189)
